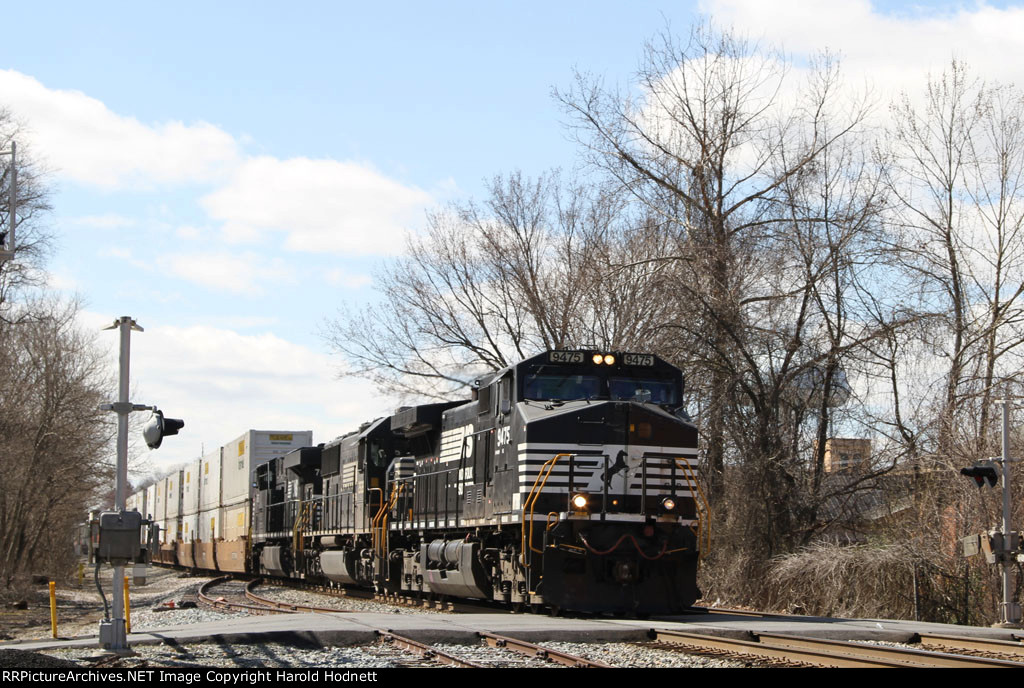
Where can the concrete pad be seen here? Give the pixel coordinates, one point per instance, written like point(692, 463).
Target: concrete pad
point(356, 628)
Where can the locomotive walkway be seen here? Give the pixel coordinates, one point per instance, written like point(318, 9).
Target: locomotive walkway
point(354, 628)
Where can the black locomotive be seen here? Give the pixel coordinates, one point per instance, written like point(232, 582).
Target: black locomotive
point(568, 481)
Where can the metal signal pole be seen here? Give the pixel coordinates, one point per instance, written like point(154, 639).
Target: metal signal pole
point(112, 633)
point(1011, 615)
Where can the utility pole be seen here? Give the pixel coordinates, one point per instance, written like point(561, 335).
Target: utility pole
point(7, 245)
point(1011, 614)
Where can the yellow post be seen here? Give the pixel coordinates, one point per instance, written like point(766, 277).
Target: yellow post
point(127, 607)
point(81, 573)
point(53, 608)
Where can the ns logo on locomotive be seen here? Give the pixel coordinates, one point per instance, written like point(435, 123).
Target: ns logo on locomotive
point(567, 481)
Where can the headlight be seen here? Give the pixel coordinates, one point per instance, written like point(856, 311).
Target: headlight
point(668, 504)
point(597, 358)
point(579, 501)
point(609, 359)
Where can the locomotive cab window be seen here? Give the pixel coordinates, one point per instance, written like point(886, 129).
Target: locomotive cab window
point(553, 386)
point(665, 392)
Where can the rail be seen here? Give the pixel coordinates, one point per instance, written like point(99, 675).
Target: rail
point(964, 643)
point(828, 653)
point(531, 650)
point(428, 651)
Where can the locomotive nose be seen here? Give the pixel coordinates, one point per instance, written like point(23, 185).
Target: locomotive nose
point(631, 423)
point(625, 571)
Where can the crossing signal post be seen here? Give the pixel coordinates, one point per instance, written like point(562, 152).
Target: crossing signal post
point(113, 634)
point(1002, 546)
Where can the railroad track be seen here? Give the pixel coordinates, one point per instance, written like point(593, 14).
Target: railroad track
point(538, 651)
point(231, 595)
point(438, 604)
point(967, 644)
point(935, 650)
point(827, 653)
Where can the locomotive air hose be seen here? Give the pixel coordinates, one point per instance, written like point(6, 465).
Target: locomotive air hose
point(659, 555)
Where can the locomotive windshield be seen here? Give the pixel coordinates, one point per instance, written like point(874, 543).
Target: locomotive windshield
point(565, 387)
point(546, 382)
point(642, 389)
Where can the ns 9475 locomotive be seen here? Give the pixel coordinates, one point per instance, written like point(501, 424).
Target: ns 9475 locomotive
point(568, 481)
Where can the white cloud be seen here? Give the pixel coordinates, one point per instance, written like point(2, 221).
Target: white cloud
point(87, 142)
point(342, 278)
point(894, 52)
point(239, 273)
point(61, 282)
point(107, 221)
point(222, 383)
point(320, 205)
point(188, 232)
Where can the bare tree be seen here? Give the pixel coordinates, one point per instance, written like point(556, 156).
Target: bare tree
point(32, 206)
point(53, 437)
point(527, 269)
point(954, 166)
point(710, 145)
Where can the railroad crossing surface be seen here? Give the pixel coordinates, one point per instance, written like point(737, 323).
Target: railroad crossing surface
point(355, 628)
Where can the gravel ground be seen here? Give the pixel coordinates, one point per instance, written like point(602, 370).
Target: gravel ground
point(352, 604)
point(271, 655)
point(383, 655)
point(80, 611)
point(631, 655)
point(79, 608)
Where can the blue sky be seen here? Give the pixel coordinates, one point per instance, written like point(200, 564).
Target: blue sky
point(230, 173)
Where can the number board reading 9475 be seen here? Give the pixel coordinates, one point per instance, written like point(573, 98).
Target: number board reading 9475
point(567, 357)
point(638, 359)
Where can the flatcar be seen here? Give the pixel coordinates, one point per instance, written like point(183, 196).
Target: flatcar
point(568, 481)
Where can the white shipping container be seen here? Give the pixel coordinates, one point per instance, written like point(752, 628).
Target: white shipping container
point(159, 508)
point(172, 488)
point(253, 448)
point(235, 522)
point(209, 520)
point(190, 527)
point(209, 492)
point(150, 512)
point(133, 502)
point(159, 512)
point(190, 488)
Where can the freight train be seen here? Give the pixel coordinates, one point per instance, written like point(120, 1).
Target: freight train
point(568, 482)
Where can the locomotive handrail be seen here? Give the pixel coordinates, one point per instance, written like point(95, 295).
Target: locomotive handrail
point(703, 530)
point(555, 523)
point(380, 521)
point(531, 501)
point(297, 526)
point(373, 522)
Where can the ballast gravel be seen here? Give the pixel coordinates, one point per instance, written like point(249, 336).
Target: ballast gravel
point(150, 609)
point(383, 655)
